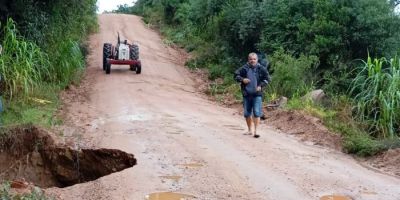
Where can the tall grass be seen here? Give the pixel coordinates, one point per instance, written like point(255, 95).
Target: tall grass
point(22, 64)
point(376, 91)
point(67, 61)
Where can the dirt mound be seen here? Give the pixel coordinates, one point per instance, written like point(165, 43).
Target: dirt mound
point(30, 154)
point(306, 127)
point(388, 162)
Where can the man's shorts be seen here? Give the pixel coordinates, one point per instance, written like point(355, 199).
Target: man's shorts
point(252, 106)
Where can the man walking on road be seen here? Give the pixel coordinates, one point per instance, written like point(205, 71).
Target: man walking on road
point(253, 78)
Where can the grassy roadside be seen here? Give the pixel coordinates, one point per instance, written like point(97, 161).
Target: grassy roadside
point(42, 53)
point(39, 109)
point(337, 117)
point(31, 79)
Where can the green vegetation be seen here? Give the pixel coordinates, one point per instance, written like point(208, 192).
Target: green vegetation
point(376, 91)
point(43, 52)
point(124, 9)
point(311, 43)
point(292, 76)
point(38, 110)
point(36, 194)
point(23, 65)
point(338, 118)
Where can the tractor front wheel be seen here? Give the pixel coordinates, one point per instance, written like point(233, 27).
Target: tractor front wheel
point(139, 68)
point(108, 68)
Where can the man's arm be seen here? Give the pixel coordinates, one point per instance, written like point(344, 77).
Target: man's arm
point(237, 76)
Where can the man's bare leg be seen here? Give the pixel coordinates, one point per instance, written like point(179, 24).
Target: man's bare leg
point(249, 122)
point(256, 123)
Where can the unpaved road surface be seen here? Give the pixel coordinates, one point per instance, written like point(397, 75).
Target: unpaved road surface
point(161, 118)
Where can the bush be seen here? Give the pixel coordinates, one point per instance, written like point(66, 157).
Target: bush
point(362, 145)
point(290, 75)
point(217, 71)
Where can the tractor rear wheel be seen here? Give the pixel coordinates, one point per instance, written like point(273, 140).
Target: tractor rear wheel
point(106, 54)
point(134, 52)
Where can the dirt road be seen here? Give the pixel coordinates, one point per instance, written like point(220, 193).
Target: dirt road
point(174, 131)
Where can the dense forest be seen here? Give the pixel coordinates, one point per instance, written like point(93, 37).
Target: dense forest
point(347, 48)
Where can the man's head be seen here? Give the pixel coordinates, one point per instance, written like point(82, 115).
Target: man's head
point(253, 59)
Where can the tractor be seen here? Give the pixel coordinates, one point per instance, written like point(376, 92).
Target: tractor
point(121, 54)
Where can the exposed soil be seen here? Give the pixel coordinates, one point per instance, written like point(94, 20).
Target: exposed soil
point(174, 130)
point(388, 162)
point(30, 154)
point(304, 126)
point(21, 156)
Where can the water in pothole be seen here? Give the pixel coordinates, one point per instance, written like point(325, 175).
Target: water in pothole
point(174, 178)
point(168, 196)
point(335, 197)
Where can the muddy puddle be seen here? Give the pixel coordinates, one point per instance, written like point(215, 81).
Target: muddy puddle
point(173, 178)
point(335, 197)
point(168, 196)
point(30, 154)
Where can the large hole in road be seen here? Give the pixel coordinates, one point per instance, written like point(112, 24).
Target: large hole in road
point(30, 154)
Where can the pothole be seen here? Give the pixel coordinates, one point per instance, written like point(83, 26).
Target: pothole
point(30, 154)
point(173, 178)
point(168, 196)
point(335, 197)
